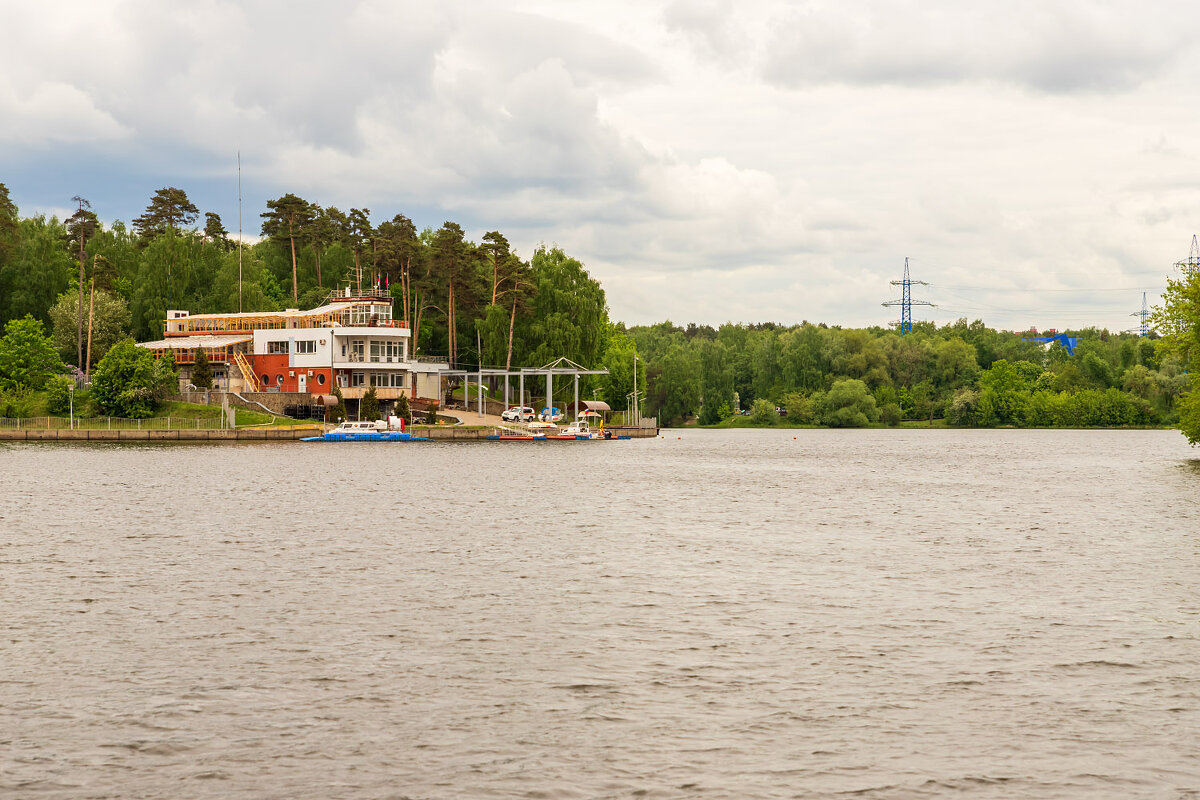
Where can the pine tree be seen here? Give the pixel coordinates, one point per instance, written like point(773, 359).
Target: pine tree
point(368, 409)
point(202, 371)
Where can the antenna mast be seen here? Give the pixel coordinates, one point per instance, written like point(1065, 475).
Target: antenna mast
point(906, 302)
point(239, 160)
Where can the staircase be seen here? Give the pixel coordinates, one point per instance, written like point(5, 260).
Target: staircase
point(248, 375)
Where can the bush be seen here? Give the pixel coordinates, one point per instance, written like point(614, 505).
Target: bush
point(130, 382)
point(58, 394)
point(763, 412)
point(27, 355)
point(848, 404)
point(890, 414)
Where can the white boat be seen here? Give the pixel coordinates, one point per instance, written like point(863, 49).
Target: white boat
point(390, 430)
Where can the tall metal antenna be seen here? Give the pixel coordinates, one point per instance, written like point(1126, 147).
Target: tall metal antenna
point(1144, 328)
point(1192, 265)
point(239, 159)
point(906, 302)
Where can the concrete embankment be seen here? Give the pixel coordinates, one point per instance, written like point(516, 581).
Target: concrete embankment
point(218, 435)
point(274, 434)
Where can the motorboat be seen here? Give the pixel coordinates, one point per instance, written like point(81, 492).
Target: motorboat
point(389, 430)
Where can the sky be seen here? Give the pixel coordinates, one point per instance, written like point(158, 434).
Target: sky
point(1037, 163)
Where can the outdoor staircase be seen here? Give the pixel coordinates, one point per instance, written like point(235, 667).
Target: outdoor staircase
point(247, 373)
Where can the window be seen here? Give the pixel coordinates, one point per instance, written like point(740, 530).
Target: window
point(320, 378)
point(266, 379)
point(279, 379)
point(357, 379)
point(306, 346)
point(376, 351)
point(398, 380)
point(379, 379)
point(356, 350)
point(277, 348)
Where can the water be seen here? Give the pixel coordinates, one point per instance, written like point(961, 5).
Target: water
point(873, 614)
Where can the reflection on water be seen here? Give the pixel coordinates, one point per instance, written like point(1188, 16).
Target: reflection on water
point(883, 614)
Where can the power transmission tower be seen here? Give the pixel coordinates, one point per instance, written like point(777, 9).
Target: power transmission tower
point(1192, 265)
point(1144, 328)
point(906, 302)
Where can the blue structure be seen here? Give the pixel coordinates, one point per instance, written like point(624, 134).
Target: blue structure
point(1068, 342)
point(906, 302)
point(1144, 328)
point(1192, 265)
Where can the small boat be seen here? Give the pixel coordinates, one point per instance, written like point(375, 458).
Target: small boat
point(391, 430)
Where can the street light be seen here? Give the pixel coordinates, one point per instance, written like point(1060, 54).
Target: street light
point(71, 395)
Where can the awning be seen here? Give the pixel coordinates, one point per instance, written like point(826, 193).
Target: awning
point(595, 405)
point(325, 400)
point(191, 342)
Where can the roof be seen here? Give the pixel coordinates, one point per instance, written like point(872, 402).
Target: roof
point(357, 301)
point(188, 342)
point(595, 405)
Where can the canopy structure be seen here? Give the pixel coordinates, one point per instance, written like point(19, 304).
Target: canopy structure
point(560, 366)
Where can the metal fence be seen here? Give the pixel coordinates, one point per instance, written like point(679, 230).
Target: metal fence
point(626, 419)
point(112, 424)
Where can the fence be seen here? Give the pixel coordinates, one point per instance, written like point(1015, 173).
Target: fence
point(625, 419)
point(112, 424)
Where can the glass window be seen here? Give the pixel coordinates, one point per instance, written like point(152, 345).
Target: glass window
point(277, 348)
point(279, 379)
point(320, 378)
point(306, 346)
point(377, 351)
point(357, 379)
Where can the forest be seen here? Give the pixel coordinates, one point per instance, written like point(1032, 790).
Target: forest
point(482, 304)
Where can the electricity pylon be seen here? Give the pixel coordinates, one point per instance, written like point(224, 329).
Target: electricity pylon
point(1192, 265)
point(906, 302)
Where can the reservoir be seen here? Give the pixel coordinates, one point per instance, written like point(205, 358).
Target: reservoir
point(710, 614)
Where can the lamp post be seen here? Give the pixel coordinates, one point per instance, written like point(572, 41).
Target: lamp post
point(71, 395)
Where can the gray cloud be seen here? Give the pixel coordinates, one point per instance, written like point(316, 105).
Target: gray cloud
point(1047, 47)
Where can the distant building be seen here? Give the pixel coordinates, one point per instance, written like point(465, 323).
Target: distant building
point(351, 342)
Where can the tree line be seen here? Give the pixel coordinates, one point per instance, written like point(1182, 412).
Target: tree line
point(480, 304)
point(470, 303)
point(964, 373)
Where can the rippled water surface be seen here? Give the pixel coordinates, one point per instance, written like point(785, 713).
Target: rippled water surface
point(732, 614)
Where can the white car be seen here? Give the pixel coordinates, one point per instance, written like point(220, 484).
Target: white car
point(518, 414)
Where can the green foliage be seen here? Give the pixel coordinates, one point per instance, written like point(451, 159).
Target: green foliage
point(848, 404)
point(130, 382)
point(799, 407)
point(716, 388)
point(1189, 412)
point(58, 394)
point(202, 375)
point(569, 313)
point(17, 402)
point(889, 414)
point(1002, 395)
point(169, 210)
point(110, 323)
point(762, 412)
point(401, 407)
point(35, 268)
point(368, 408)
point(338, 412)
point(617, 385)
point(27, 355)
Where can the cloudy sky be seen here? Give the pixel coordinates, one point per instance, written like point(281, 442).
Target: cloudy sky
point(1037, 162)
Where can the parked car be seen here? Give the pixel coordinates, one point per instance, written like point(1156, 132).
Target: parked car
point(518, 413)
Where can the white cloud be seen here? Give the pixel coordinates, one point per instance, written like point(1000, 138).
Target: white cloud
point(707, 160)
